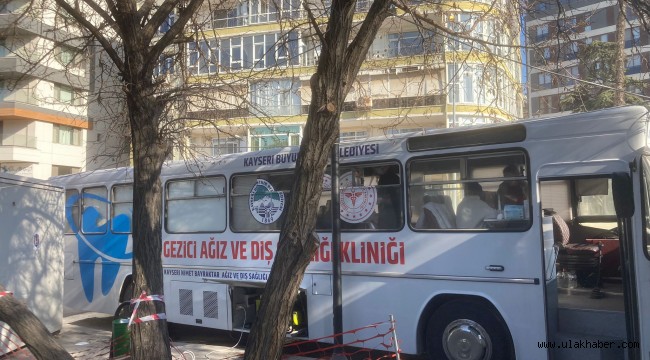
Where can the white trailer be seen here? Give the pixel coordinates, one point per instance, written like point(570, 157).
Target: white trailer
point(31, 248)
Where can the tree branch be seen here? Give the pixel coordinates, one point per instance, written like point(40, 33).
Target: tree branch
point(101, 12)
point(81, 18)
point(359, 46)
point(313, 22)
point(175, 30)
point(145, 9)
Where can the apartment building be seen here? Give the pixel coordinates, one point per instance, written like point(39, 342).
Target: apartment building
point(43, 82)
point(558, 30)
point(413, 78)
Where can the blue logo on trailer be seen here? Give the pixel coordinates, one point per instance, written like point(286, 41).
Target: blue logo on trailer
point(99, 242)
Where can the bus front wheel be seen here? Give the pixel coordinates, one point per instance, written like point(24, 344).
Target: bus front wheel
point(467, 330)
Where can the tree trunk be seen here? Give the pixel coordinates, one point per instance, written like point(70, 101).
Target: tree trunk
point(619, 96)
point(338, 66)
point(149, 340)
point(30, 329)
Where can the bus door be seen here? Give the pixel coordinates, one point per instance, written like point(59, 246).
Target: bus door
point(590, 287)
point(641, 248)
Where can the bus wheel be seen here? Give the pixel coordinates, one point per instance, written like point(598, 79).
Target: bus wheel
point(127, 293)
point(467, 330)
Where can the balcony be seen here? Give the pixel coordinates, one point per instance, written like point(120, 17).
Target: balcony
point(366, 105)
point(24, 110)
point(389, 103)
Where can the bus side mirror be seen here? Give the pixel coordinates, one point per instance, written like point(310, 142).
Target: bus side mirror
point(622, 192)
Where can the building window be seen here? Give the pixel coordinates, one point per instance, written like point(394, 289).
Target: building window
point(275, 98)
point(67, 95)
point(225, 146)
point(473, 84)
point(633, 64)
point(202, 57)
point(570, 51)
point(568, 25)
point(4, 50)
point(406, 44)
point(545, 80)
point(573, 73)
point(542, 33)
point(265, 137)
point(395, 132)
point(468, 24)
point(164, 66)
point(224, 18)
point(352, 136)
point(262, 11)
point(167, 24)
point(66, 135)
point(632, 36)
point(65, 55)
point(247, 52)
point(64, 170)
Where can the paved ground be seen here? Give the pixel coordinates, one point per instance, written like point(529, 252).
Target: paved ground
point(88, 335)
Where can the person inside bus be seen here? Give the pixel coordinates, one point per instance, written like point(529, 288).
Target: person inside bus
point(437, 213)
point(389, 204)
point(512, 191)
point(472, 210)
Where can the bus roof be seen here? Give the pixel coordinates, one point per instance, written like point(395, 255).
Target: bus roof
point(628, 121)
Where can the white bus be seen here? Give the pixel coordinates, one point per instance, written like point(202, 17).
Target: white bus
point(458, 233)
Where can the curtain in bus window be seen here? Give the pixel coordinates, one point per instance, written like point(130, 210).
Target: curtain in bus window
point(477, 191)
point(370, 198)
point(595, 197)
point(72, 211)
point(196, 205)
point(94, 210)
point(122, 209)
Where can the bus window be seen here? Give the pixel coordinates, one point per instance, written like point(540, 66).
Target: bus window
point(122, 209)
point(480, 191)
point(258, 201)
point(72, 210)
point(595, 201)
point(196, 205)
point(370, 199)
point(94, 210)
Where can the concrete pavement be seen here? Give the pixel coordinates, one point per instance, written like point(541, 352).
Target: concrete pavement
point(88, 336)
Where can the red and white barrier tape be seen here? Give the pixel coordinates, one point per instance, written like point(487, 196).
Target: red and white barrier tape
point(138, 300)
point(150, 318)
point(5, 293)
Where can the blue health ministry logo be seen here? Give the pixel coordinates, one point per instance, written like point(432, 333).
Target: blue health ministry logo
point(99, 241)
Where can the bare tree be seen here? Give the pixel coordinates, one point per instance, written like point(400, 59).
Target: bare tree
point(127, 32)
point(642, 8)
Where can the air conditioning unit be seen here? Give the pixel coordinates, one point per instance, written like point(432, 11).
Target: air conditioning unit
point(411, 68)
point(364, 103)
